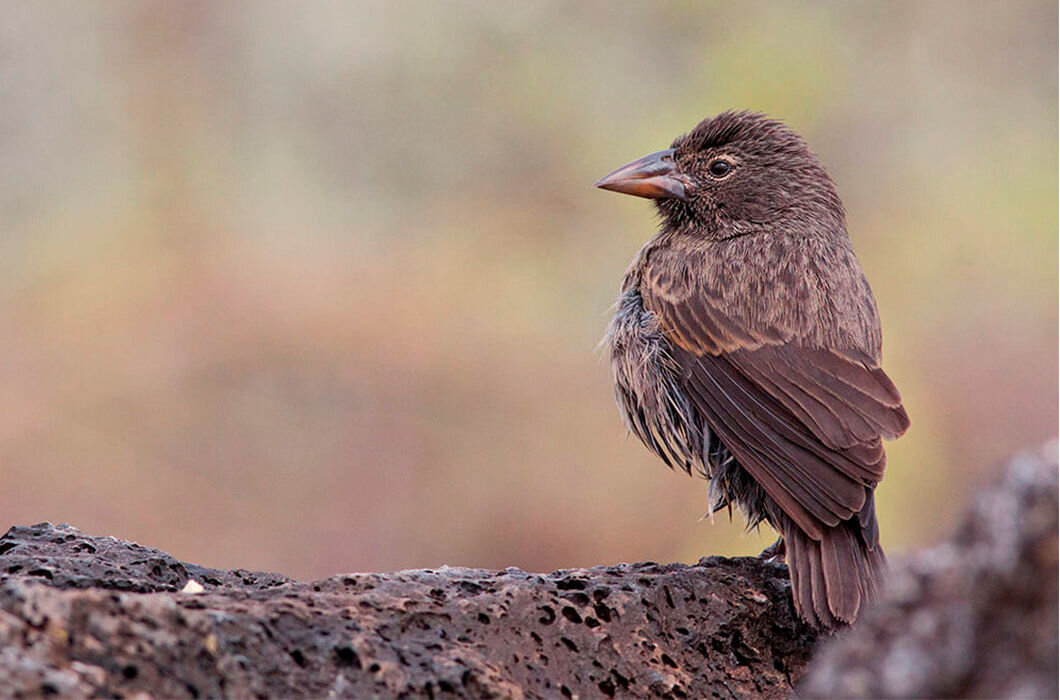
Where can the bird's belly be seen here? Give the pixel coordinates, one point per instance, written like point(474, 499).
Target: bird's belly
point(648, 390)
point(657, 409)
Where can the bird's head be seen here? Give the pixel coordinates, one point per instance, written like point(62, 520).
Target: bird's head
point(731, 174)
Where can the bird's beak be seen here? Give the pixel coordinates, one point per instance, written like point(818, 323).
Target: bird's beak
point(654, 176)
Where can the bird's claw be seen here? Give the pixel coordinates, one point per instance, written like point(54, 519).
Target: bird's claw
point(774, 553)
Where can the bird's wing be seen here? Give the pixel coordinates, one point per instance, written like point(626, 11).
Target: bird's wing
point(806, 422)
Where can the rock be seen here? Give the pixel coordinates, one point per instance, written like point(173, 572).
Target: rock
point(89, 616)
point(65, 557)
point(83, 615)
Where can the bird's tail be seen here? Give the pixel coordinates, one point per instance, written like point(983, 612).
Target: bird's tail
point(833, 579)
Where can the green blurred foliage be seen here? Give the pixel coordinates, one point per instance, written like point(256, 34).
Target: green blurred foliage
point(317, 288)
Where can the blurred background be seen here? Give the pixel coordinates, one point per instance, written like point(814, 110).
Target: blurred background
point(318, 288)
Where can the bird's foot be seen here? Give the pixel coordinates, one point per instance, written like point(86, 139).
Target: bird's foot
point(774, 553)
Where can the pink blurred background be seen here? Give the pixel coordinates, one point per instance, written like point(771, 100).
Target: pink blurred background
point(318, 288)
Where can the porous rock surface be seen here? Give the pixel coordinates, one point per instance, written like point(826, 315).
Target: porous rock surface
point(975, 617)
point(83, 615)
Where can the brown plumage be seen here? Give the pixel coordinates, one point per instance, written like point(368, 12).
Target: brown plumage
point(746, 347)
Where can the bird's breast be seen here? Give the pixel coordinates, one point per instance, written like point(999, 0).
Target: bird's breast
point(648, 387)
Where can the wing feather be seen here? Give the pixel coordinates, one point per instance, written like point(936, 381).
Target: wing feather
point(805, 421)
point(844, 494)
point(759, 450)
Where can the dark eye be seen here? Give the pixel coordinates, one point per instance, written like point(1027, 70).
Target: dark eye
point(719, 168)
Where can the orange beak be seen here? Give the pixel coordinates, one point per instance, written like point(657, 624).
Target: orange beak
point(654, 176)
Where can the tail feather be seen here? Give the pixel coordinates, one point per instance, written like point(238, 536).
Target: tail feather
point(876, 563)
point(819, 585)
point(844, 572)
point(795, 543)
point(832, 579)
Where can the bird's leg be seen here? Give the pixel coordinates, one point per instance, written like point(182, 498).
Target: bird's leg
point(774, 552)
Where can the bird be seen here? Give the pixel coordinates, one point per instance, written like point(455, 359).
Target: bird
point(746, 348)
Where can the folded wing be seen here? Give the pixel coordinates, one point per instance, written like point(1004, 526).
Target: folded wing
point(806, 422)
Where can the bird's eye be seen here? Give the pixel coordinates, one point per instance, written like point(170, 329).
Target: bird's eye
point(719, 168)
